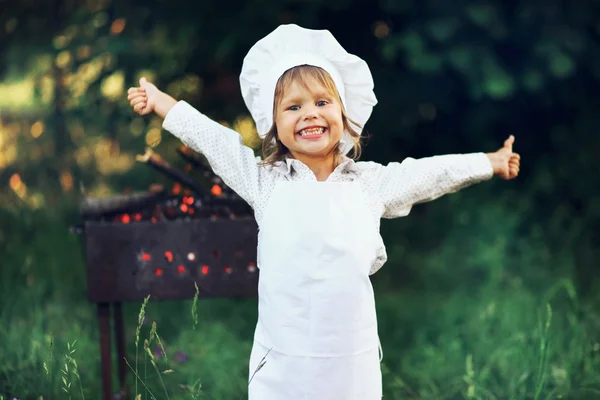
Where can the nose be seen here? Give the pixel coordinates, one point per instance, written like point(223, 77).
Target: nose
point(310, 113)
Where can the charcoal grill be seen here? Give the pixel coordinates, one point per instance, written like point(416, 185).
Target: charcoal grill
point(164, 244)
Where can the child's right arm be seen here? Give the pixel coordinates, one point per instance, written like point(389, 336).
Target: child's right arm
point(222, 147)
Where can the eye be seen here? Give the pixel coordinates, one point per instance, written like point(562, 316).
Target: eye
point(322, 103)
point(293, 108)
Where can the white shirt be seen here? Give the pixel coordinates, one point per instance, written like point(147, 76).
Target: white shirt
point(390, 190)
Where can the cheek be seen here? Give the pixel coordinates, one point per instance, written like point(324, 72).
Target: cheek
point(285, 123)
point(335, 120)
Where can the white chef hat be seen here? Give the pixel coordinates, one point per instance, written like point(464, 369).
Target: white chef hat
point(290, 46)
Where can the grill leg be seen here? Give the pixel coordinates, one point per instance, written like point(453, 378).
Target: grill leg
point(105, 356)
point(120, 338)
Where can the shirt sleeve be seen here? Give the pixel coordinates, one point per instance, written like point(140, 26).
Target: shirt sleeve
point(223, 148)
point(401, 185)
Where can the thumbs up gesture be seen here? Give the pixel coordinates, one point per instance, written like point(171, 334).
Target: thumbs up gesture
point(505, 162)
point(147, 98)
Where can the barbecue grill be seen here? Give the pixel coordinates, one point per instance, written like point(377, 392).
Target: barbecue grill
point(163, 244)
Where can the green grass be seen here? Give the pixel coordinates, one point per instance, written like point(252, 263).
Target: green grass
point(498, 338)
point(502, 345)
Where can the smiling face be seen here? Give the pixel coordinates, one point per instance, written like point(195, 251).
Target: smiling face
point(308, 117)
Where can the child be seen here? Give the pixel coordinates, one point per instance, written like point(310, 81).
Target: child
point(317, 209)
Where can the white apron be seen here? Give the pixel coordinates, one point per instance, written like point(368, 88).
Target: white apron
point(316, 336)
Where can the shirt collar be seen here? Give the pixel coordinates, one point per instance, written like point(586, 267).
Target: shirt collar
point(285, 167)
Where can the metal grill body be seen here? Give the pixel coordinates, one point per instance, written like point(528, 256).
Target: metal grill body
point(165, 260)
point(127, 262)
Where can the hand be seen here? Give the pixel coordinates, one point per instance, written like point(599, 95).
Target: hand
point(148, 98)
point(505, 162)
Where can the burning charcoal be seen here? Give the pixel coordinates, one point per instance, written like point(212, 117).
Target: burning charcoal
point(199, 164)
point(161, 165)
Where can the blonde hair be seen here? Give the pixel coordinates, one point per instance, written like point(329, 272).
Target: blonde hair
point(272, 149)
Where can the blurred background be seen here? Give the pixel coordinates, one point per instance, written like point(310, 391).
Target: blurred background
point(489, 293)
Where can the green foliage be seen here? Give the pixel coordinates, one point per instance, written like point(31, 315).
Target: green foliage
point(501, 345)
point(429, 45)
point(490, 293)
point(467, 318)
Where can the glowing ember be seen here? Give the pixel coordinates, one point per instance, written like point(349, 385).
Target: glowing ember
point(176, 188)
point(146, 257)
point(216, 190)
point(205, 270)
point(181, 269)
point(169, 256)
point(158, 272)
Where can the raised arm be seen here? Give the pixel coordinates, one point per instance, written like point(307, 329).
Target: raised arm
point(400, 185)
point(222, 147)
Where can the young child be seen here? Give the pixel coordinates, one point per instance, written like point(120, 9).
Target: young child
point(317, 209)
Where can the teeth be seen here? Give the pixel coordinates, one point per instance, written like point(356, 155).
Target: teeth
point(313, 131)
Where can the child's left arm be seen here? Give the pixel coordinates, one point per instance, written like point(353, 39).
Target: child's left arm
point(505, 162)
point(401, 185)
